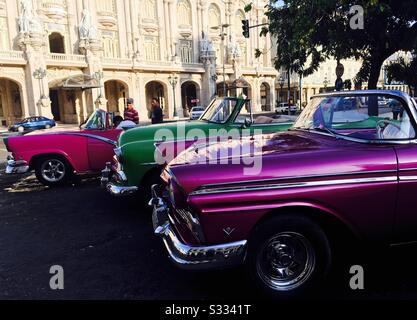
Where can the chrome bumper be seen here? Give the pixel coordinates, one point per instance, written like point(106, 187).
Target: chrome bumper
point(16, 167)
point(193, 257)
point(112, 181)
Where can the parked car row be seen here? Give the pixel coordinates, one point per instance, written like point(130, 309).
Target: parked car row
point(345, 170)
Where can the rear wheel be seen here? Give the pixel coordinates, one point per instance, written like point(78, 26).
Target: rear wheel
point(53, 170)
point(48, 126)
point(288, 256)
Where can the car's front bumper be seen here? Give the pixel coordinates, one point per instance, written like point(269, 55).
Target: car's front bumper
point(192, 257)
point(113, 181)
point(16, 167)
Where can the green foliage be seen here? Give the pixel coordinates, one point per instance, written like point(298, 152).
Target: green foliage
point(404, 71)
point(310, 31)
point(248, 7)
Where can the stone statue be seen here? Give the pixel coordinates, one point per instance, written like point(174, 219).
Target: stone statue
point(28, 21)
point(206, 46)
point(210, 47)
point(234, 51)
point(204, 43)
point(86, 30)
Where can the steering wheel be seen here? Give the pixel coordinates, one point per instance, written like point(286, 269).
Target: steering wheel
point(381, 125)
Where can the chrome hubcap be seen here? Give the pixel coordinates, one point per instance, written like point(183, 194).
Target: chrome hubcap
point(53, 170)
point(286, 261)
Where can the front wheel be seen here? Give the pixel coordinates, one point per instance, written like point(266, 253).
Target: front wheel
point(53, 170)
point(288, 256)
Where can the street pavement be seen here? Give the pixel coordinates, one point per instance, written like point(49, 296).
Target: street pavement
point(108, 251)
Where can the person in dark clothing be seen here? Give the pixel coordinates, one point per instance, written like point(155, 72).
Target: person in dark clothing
point(117, 120)
point(157, 115)
point(130, 113)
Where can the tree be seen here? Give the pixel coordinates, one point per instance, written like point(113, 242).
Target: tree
point(404, 71)
point(310, 31)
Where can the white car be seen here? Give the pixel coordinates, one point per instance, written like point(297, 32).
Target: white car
point(196, 113)
point(283, 108)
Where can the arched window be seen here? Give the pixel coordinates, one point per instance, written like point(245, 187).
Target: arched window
point(186, 51)
point(214, 16)
point(151, 10)
point(106, 6)
point(110, 44)
point(56, 43)
point(152, 48)
point(184, 13)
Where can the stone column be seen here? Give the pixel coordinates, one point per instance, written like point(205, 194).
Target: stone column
point(73, 22)
point(139, 95)
point(128, 27)
point(178, 99)
point(168, 37)
point(173, 29)
point(272, 94)
point(209, 77)
point(204, 16)
point(256, 97)
point(33, 45)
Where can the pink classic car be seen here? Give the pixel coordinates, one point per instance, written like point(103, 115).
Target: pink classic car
point(346, 171)
point(57, 156)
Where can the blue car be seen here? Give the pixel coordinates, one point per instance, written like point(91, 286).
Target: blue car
point(32, 123)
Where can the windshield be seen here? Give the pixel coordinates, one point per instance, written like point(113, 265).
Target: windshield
point(368, 117)
point(219, 111)
point(96, 121)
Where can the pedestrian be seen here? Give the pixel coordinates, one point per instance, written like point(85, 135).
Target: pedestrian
point(397, 110)
point(157, 115)
point(131, 113)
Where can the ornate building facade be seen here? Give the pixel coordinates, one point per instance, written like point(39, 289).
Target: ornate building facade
point(64, 58)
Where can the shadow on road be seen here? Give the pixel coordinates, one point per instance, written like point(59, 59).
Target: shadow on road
point(108, 250)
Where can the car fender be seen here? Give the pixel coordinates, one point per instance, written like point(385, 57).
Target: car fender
point(73, 148)
point(215, 219)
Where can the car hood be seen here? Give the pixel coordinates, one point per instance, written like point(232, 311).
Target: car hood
point(176, 130)
point(285, 154)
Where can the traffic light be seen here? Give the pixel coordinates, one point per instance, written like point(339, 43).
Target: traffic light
point(245, 28)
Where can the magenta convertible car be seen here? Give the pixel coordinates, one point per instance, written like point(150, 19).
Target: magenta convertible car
point(346, 170)
point(57, 156)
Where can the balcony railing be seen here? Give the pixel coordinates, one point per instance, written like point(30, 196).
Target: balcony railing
point(62, 58)
point(117, 61)
point(12, 56)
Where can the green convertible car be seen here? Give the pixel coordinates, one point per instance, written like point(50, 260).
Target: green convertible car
point(134, 166)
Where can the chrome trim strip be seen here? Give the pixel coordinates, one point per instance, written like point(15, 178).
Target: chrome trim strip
point(408, 178)
point(408, 170)
point(295, 185)
point(313, 176)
